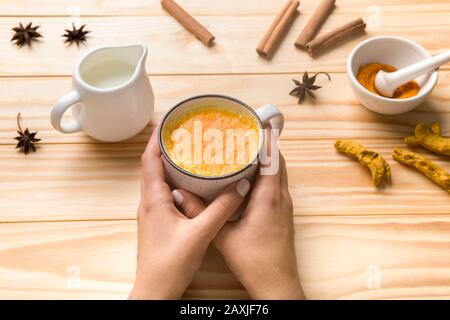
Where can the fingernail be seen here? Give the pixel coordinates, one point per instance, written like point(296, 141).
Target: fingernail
point(177, 197)
point(242, 187)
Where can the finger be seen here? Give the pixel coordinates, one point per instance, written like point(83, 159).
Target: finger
point(283, 170)
point(152, 166)
point(154, 181)
point(267, 188)
point(268, 181)
point(286, 197)
point(152, 145)
point(190, 205)
point(212, 219)
point(270, 158)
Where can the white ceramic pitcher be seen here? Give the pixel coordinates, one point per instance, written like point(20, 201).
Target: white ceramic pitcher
point(111, 95)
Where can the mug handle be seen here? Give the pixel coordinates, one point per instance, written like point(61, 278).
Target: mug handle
point(58, 111)
point(271, 115)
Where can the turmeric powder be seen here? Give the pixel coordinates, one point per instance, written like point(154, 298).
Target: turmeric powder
point(379, 167)
point(429, 138)
point(366, 77)
point(428, 168)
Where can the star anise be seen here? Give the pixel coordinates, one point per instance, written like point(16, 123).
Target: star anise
point(306, 87)
point(75, 35)
point(26, 138)
point(25, 35)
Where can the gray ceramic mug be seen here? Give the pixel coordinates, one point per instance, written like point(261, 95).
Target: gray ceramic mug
point(208, 187)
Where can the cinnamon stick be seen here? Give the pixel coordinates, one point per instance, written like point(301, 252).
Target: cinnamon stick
point(315, 23)
point(188, 22)
point(329, 39)
point(278, 29)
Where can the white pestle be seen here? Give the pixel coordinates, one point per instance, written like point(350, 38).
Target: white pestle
point(387, 82)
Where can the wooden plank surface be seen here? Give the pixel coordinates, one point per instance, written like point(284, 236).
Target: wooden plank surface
point(201, 7)
point(237, 38)
point(80, 182)
point(342, 257)
point(374, 257)
point(67, 212)
point(335, 114)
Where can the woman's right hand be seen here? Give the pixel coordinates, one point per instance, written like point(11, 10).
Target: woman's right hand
point(259, 248)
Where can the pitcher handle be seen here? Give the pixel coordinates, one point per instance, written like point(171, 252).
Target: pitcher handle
point(60, 108)
point(271, 115)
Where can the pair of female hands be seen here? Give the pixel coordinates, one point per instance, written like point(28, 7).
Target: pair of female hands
point(176, 228)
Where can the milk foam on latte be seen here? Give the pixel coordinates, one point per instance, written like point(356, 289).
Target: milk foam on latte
point(212, 141)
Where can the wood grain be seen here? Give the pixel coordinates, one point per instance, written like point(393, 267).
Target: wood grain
point(393, 257)
point(200, 7)
point(101, 254)
point(86, 181)
point(234, 52)
point(374, 257)
point(335, 114)
point(69, 209)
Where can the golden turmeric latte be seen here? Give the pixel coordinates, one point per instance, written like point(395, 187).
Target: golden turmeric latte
point(366, 77)
point(212, 141)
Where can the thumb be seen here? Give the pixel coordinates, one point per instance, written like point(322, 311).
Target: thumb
point(212, 219)
point(190, 204)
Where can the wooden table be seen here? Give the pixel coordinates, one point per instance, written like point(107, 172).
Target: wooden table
point(67, 212)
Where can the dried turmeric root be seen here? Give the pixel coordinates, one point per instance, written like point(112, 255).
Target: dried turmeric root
point(379, 168)
point(428, 168)
point(429, 138)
